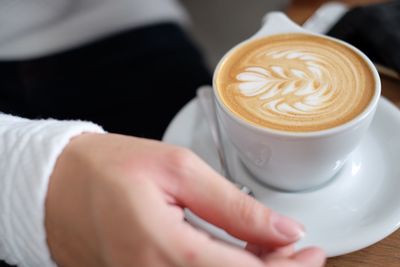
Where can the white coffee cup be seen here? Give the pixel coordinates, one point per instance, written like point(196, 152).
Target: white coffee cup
point(293, 161)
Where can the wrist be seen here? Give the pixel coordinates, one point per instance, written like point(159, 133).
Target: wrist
point(68, 220)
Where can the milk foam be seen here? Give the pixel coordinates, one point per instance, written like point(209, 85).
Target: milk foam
point(273, 86)
point(295, 82)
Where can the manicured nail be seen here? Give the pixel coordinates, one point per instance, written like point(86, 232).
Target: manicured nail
point(287, 227)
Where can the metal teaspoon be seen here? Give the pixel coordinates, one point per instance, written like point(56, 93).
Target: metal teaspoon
point(207, 105)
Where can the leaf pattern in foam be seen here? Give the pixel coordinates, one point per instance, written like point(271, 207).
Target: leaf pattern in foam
point(288, 91)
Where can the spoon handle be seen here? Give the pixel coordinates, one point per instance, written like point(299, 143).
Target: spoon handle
point(205, 96)
point(207, 105)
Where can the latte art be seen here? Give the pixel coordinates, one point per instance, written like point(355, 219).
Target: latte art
point(309, 91)
point(295, 82)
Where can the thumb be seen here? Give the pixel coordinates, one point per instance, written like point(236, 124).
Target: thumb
point(218, 201)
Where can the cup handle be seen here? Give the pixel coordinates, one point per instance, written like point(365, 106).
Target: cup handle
point(275, 23)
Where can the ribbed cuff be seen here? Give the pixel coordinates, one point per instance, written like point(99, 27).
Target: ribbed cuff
point(29, 150)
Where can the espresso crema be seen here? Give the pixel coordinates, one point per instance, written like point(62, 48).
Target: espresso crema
point(295, 82)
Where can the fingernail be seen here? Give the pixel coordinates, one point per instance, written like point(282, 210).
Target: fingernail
point(287, 227)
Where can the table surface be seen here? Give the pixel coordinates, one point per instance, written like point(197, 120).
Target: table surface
point(387, 251)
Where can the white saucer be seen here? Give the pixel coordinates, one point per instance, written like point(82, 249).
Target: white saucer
point(360, 207)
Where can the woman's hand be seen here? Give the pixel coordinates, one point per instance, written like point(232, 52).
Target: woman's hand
point(115, 200)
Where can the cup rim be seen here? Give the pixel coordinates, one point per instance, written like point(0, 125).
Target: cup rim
point(325, 132)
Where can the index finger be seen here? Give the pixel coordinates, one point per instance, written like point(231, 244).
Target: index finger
point(213, 198)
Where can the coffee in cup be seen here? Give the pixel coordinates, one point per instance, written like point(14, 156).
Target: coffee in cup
point(295, 82)
point(294, 104)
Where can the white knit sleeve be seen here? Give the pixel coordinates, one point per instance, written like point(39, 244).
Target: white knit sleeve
point(28, 153)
